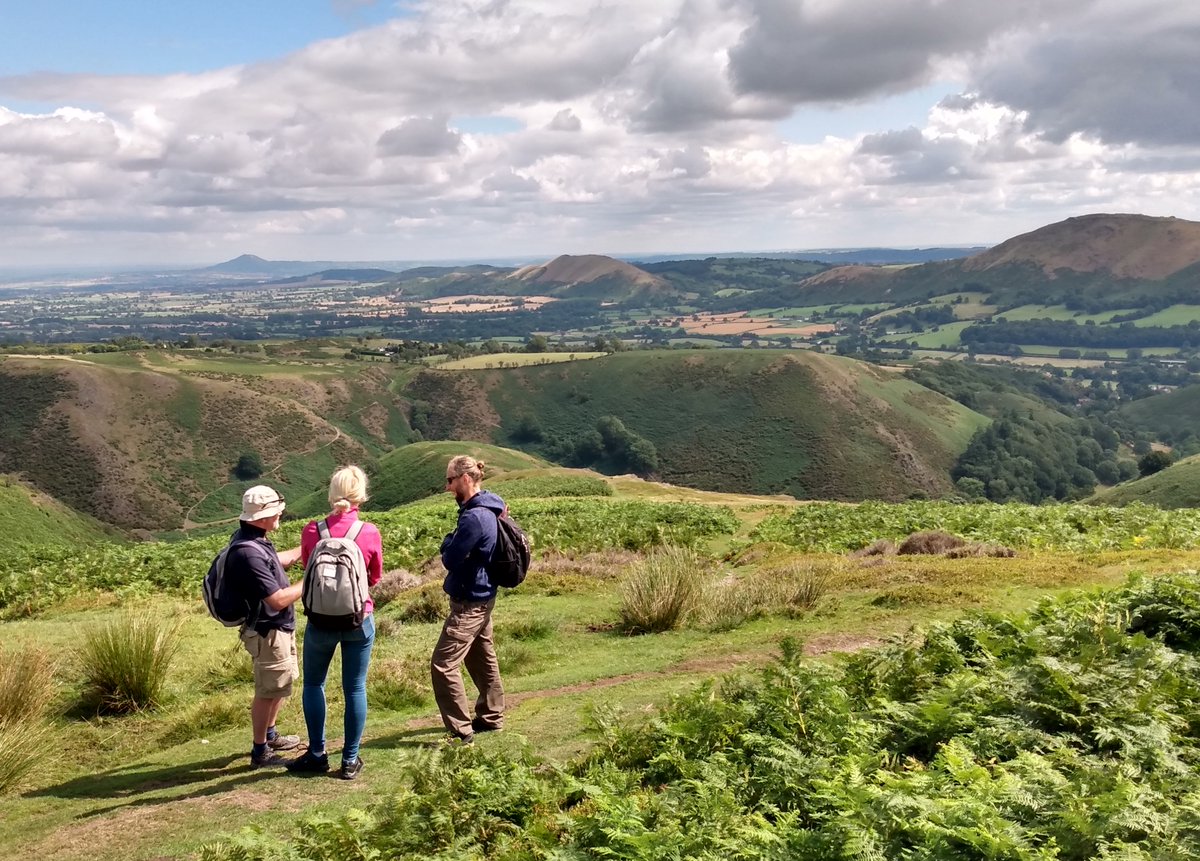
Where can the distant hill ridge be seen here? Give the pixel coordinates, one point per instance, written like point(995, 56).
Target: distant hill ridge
point(1125, 246)
point(583, 269)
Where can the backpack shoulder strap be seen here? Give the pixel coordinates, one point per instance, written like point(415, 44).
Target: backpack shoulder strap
point(352, 534)
point(322, 529)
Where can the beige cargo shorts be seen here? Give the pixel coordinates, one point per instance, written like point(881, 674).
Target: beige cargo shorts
point(275, 666)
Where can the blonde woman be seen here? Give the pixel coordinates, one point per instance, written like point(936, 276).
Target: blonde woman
point(347, 491)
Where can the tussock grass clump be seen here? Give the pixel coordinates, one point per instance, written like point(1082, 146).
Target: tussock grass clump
point(26, 685)
point(662, 591)
point(790, 589)
point(399, 683)
point(26, 689)
point(23, 744)
point(803, 584)
point(126, 663)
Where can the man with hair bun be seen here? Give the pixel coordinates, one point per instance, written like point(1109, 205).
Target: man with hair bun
point(466, 638)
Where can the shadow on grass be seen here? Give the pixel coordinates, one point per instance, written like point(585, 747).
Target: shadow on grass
point(412, 738)
point(142, 784)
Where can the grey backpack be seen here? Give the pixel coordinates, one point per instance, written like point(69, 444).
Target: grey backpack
point(335, 581)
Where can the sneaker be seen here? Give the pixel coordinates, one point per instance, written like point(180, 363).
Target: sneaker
point(266, 759)
point(479, 726)
point(284, 742)
point(351, 770)
point(309, 763)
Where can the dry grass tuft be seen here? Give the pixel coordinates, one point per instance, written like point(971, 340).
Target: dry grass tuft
point(26, 685)
point(930, 543)
point(391, 585)
point(880, 547)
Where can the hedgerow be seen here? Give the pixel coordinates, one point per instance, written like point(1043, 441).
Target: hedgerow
point(1070, 733)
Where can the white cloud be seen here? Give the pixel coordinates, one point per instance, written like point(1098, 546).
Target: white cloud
point(638, 125)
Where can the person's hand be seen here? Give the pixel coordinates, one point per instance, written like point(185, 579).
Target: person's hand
point(288, 558)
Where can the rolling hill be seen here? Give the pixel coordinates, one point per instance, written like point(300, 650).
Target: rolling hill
point(800, 423)
point(1177, 486)
point(1106, 255)
point(146, 446)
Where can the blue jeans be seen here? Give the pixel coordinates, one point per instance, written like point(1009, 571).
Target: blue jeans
point(319, 646)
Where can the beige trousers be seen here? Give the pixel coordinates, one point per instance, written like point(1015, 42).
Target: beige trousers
point(467, 640)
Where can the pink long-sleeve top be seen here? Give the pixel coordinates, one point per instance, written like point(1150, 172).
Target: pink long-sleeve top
point(368, 541)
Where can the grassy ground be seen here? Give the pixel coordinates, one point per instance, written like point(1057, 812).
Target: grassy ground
point(162, 784)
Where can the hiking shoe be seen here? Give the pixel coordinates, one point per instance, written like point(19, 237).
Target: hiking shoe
point(351, 770)
point(284, 742)
point(309, 763)
point(266, 759)
point(480, 726)
point(461, 738)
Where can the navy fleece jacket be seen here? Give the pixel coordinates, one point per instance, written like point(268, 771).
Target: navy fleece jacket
point(469, 546)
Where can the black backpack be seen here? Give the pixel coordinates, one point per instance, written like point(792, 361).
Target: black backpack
point(223, 605)
point(510, 559)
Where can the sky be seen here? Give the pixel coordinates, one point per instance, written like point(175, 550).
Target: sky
point(147, 133)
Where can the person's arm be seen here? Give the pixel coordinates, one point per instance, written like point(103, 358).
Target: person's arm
point(462, 540)
point(284, 598)
point(288, 558)
point(374, 554)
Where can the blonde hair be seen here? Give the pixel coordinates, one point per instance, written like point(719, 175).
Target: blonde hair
point(464, 464)
point(347, 489)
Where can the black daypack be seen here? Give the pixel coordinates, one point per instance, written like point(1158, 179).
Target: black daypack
point(510, 559)
point(227, 608)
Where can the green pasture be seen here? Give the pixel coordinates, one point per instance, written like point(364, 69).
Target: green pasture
point(172, 781)
point(947, 336)
point(1057, 312)
point(1175, 315)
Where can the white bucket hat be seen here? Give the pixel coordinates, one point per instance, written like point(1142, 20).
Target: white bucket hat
point(261, 501)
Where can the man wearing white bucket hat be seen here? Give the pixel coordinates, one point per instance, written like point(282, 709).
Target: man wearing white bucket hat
point(254, 571)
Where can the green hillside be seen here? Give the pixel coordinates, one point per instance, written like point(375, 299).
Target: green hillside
point(151, 441)
point(1177, 486)
point(29, 518)
point(1167, 416)
point(419, 470)
point(747, 421)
